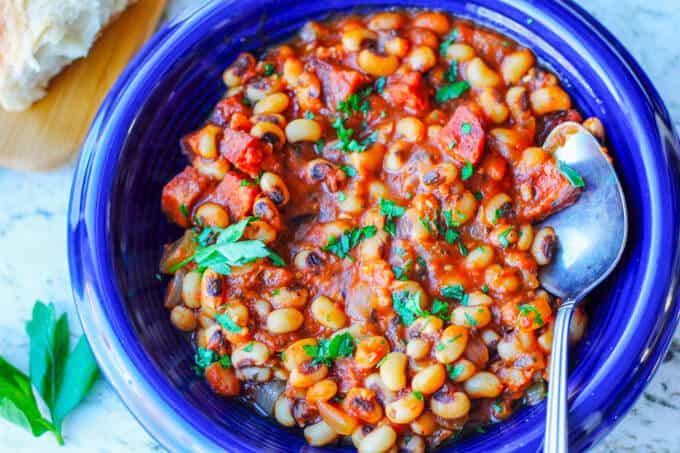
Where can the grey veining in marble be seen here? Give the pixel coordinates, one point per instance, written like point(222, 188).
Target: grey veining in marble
point(33, 266)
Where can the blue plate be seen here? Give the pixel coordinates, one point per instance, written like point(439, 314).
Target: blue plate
point(116, 228)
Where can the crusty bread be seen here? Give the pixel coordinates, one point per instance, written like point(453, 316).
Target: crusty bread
point(38, 38)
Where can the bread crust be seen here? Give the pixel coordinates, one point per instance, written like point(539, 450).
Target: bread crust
point(38, 38)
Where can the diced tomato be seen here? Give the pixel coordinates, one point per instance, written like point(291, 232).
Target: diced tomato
point(234, 196)
point(245, 152)
point(223, 381)
point(408, 91)
point(338, 82)
point(551, 192)
point(227, 107)
point(463, 136)
point(180, 194)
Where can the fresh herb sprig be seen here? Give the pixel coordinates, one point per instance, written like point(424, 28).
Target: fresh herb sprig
point(390, 209)
point(454, 89)
point(61, 376)
point(329, 350)
point(343, 244)
point(228, 250)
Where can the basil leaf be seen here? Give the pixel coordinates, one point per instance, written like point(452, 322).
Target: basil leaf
point(17, 403)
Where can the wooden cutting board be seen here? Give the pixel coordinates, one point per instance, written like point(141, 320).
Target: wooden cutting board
point(50, 133)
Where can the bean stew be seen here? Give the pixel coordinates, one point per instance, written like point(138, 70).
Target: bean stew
point(359, 256)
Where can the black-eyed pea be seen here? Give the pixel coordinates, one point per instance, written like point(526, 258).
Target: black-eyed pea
point(424, 425)
point(502, 280)
point(544, 246)
point(411, 444)
point(328, 313)
point(211, 289)
point(252, 353)
point(483, 385)
point(433, 20)
point(355, 39)
point(272, 103)
point(350, 202)
point(478, 299)
point(377, 190)
point(274, 118)
point(204, 141)
point(212, 215)
point(517, 99)
point(341, 422)
point(284, 320)
point(470, 317)
point(549, 99)
point(444, 173)
point(516, 64)
point(450, 405)
point(283, 412)
point(257, 230)
point(303, 130)
point(308, 260)
point(461, 370)
point(433, 131)
point(191, 289)
point(295, 354)
point(411, 129)
point(232, 75)
point(479, 257)
point(388, 20)
point(525, 236)
point(397, 46)
point(260, 88)
point(380, 440)
point(291, 297)
point(215, 169)
point(292, 70)
point(451, 344)
point(460, 52)
point(319, 434)
point(480, 75)
point(465, 207)
point(417, 348)
point(393, 371)
point(321, 391)
point(492, 106)
point(307, 374)
point(421, 58)
point(429, 379)
point(405, 409)
point(595, 127)
point(490, 337)
point(270, 133)
point(374, 247)
point(426, 325)
point(396, 156)
point(503, 235)
point(273, 186)
point(254, 374)
point(321, 170)
point(545, 340)
point(377, 65)
point(577, 326)
point(497, 208)
point(533, 157)
point(183, 318)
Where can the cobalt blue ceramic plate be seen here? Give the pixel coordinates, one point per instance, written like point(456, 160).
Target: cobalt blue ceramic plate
point(116, 228)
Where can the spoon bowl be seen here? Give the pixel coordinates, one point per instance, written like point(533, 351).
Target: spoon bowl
point(592, 235)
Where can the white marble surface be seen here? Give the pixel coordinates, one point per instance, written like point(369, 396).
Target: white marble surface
point(33, 266)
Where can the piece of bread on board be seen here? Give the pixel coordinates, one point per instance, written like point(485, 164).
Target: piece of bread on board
point(38, 38)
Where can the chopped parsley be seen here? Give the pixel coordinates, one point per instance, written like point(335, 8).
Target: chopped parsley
point(444, 46)
point(341, 197)
point(527, 309)
point(451, 236)
point(318, 145)
point(228, 251)
point(503, 237)
point(380, 85)
point(418, 395)
point(498, 213)
point(479, 195)
point(390, 209)
point(467, 171)
point(329, 350)
point(485, 289)
point(465, 128)
point(247, 182)
point(422, 262)
point(249, 347)
point(470, 320)
point(310, 115)
point(401, 273)
point(572, 175)
point(269, 69)
point(206, 357)
point(343, 244)
point(346, 140)
point(462, 249)
point(183, 209)
point(348, 170)
point(229, 324)
point(407, 306)
point(440, 309)
point(453, 292)
point(451, 91)
point(455, 370)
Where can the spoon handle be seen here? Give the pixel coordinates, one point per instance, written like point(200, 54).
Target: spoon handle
point(556, 429)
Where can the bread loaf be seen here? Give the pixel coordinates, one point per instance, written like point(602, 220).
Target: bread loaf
point(38, 38)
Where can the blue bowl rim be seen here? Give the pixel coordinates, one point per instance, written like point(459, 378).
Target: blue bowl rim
point(87, 247)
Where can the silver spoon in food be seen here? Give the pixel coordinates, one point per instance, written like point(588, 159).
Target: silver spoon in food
point(592, 234)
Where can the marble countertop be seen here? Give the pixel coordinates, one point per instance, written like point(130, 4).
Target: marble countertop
point(33, 265)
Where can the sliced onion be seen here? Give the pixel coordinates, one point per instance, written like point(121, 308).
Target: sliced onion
point(266, 395)
point(173, 295)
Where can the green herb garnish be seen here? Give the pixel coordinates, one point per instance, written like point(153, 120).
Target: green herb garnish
point(527, 309)
point(467, 171)
point(440, 309)
point(343, 244)
point(407, 306)
point(444, 46)
point(451, 91)
point(455, 370)
point(329, 350)
point(269, 69)
point(348, 170)
point(572, 175)
point(229, 324)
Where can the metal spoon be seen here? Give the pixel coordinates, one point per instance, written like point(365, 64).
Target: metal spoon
point(592, 234)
